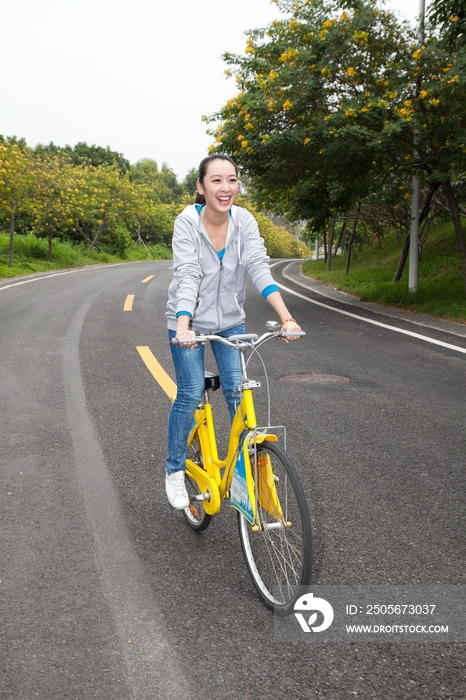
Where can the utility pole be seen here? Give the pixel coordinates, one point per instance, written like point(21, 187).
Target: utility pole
point(415, 186)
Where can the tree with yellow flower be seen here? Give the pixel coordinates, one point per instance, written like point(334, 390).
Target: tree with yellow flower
point(15, 184)
point(343, 96)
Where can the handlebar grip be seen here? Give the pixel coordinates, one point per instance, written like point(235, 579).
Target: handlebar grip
point(288, 335)
point(197, 339)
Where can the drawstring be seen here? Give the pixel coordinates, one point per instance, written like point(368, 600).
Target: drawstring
point(239, 243)
point(199, 244)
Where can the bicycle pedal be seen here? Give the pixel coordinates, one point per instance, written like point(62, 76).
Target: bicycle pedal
point(200, 497)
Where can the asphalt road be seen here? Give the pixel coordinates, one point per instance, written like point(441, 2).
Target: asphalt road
point(106, 593)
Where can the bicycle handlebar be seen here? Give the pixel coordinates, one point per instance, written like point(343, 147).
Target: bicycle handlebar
point(240, 341)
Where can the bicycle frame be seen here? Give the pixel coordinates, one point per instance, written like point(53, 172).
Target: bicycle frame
point(210, 479)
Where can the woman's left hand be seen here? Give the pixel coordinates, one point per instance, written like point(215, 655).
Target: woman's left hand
point(291, 327)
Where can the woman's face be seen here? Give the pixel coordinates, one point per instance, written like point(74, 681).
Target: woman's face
point(220, 186)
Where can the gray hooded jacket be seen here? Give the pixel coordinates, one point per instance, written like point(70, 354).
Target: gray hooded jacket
point(214, 291)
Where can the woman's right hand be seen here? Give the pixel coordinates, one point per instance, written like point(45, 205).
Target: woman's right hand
point(184, 335)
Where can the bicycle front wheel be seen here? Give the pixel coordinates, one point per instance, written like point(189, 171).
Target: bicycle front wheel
point(278, 554)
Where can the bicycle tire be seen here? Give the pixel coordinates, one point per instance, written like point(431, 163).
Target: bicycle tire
point(279, 560)
point(194, 514)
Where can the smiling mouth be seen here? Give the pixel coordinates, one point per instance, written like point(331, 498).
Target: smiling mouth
point(224, 200)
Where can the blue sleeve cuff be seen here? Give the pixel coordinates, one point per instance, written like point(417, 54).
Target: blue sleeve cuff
point(268, 290)
point(183, 313)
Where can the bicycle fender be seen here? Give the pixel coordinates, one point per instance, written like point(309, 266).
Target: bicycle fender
point(205, 483)
point(261, 437)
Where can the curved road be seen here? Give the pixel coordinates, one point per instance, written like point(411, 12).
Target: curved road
point(105, 593)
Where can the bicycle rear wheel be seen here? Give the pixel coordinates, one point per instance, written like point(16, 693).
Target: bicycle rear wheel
point(195, 515)
point(279, 554)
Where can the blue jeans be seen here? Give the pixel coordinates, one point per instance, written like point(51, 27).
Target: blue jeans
point(189, 371)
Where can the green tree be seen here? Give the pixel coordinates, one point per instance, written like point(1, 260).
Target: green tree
point(55, 196)
point(15, 184)
point(441, 109)
point(103, 191)
point(82, 154)
point(163, 183)
point(449, 19)
point(189, 182)
point(317, 106)
point(332, 100)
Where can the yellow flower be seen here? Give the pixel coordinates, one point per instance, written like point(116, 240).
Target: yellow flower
point(423, 94)
point(287, 105)
point(417, 55)
point(244, 144)
point(291, 53)
point(350, 71)
point(455, 79)
point(240, 137)
point(349, 112)
point(307, 140)
point(453, 18)
point(434, 103)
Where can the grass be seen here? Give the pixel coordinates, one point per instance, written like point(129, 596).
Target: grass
point(30, 255)
point(440, 281)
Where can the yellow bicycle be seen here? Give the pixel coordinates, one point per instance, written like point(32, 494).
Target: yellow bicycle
point(259, 479)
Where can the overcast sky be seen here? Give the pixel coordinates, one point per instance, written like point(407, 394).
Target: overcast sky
point(135, 75)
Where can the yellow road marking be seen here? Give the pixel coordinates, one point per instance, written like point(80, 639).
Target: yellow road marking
point(147, 279)
point(129, 303)
point(157, 371)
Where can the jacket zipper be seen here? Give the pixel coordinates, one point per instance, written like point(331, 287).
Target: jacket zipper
point(218, 294)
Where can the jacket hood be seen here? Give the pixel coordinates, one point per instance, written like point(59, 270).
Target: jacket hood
point(192, 214)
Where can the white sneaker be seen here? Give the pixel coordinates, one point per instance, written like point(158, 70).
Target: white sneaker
point(176, 490)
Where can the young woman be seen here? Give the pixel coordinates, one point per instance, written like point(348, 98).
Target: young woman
point(215, 246)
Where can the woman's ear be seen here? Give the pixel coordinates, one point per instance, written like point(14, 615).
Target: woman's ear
point(199, 187)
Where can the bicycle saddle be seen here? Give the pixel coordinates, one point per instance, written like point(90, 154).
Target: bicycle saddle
point(212, 381)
